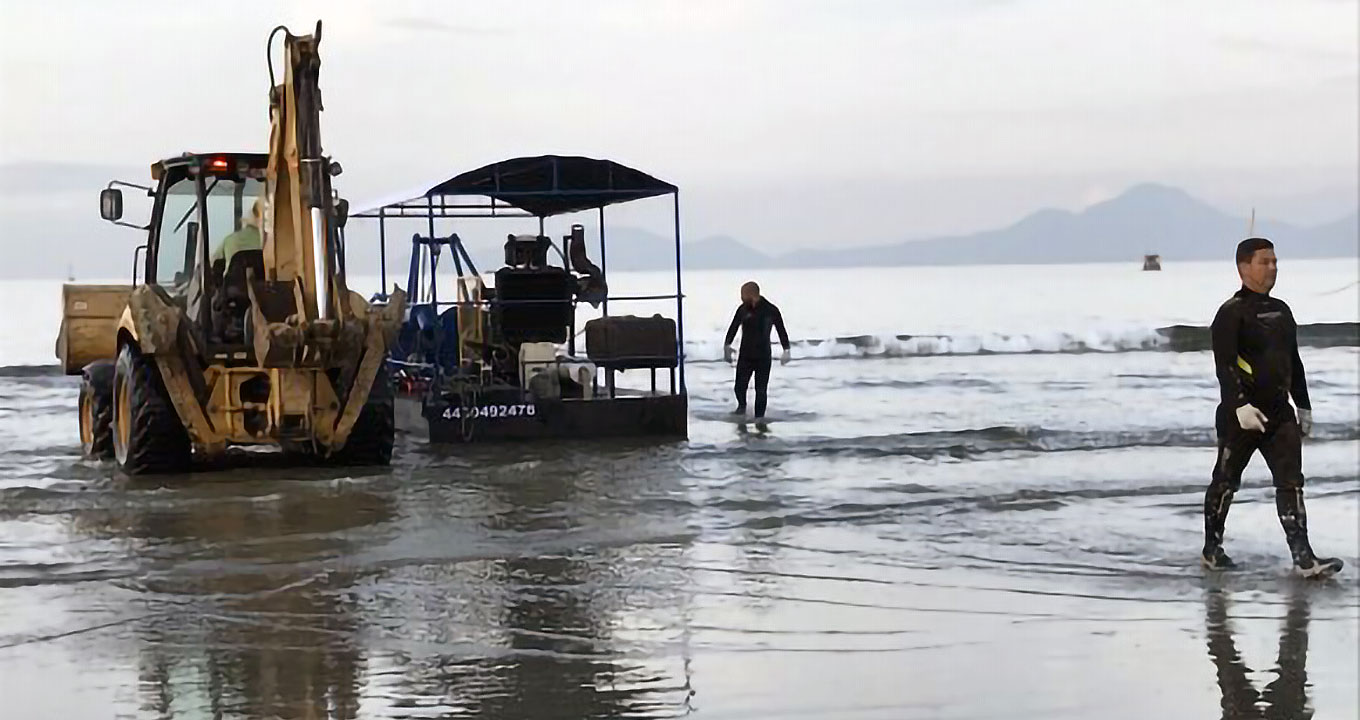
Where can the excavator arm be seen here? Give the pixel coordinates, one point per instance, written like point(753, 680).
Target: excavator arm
point(303, 312)
point(300, 233)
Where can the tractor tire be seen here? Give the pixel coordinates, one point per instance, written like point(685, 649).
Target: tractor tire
point(370, 441)
point(96, 410)
point(148, 436)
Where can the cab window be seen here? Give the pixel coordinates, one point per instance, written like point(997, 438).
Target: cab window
point(175, 250)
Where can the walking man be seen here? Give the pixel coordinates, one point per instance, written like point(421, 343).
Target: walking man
point(1256, 357)
point(755, 316)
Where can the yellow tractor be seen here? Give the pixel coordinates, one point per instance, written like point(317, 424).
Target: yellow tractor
point(242, 330)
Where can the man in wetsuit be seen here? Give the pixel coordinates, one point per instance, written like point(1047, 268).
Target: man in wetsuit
point(1256, 356)
point(755, 316)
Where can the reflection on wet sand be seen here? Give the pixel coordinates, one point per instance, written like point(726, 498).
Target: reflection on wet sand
point(318, 599)
point(545, 642)
point(1284, 697)
point(250, 614)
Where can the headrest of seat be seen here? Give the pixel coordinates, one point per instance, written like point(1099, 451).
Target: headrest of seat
point(526, 250)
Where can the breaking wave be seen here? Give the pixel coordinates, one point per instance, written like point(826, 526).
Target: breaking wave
point(1173, 338)
point(30, 370)
point(1189, 338)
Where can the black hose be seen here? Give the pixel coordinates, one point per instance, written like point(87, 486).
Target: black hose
point(269, 59)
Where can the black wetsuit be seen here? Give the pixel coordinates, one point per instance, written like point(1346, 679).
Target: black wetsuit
point(753, 358)
point(1256, 357)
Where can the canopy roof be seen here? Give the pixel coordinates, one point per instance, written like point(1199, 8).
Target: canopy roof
point(547, 184)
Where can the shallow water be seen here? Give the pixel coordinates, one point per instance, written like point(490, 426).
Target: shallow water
point(957, 536)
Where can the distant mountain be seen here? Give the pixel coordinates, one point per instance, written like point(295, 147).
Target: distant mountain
point(634, 249)
point(723, 251)
point(1146, 218)
point(1336, 239)
point(52, 225)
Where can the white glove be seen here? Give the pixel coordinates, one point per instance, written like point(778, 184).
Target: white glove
point(784, 359)
point(727, 354)
point(1249, 418)
point(1305, 421)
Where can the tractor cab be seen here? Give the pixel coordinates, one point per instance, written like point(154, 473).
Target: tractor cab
point(204, 240)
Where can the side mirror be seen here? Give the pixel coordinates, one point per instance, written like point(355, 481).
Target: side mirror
point(111, 204)
point(341, 212)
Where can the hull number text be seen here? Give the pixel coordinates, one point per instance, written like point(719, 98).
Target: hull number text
point(457, 412)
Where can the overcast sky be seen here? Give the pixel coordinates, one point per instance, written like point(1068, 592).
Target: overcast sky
point(784, 122)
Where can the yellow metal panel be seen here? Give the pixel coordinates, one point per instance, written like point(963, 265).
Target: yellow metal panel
point(325, 408)
point(292, 395)
point(204, 434)
point(363, 384)
point(89, 324)
point(94, 301)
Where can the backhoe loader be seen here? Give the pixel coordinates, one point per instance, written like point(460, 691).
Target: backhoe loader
point(242, 330)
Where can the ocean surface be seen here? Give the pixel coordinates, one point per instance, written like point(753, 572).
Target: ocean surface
point(978, 496)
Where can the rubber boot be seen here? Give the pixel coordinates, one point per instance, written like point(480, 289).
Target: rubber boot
point(1294, 520)
point(1216, 559)
point(1217, 500)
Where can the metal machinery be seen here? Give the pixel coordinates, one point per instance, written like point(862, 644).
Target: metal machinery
point(501, 361)
point(242, 329)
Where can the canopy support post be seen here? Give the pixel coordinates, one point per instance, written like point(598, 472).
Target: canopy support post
point(679, 298)
point(382, 251)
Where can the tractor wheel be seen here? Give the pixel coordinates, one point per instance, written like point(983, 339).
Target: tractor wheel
point(370, 441)
point(96, 410)
point(148, 436)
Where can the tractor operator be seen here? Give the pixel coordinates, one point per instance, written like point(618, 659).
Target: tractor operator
point(247, 238)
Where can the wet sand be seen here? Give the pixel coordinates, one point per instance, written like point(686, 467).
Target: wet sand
point(627, 583)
